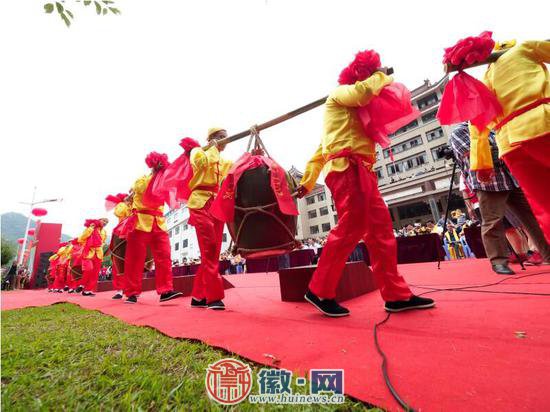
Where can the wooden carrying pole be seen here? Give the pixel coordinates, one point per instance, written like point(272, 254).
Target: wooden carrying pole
point(282, 118)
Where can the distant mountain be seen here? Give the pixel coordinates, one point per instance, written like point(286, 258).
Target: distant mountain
point(14, 225)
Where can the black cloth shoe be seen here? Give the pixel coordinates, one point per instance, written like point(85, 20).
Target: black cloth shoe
point(170, 295)
point(503, 270)
point(66, 288)
point(79, 289)
point(216, 305)
point(118, 296)
point(131, 299)
point(71, 291)
point(328, 307)
point(415, 302)
point(88, 294)
point(198, 303)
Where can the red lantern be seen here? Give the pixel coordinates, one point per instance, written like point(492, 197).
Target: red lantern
point(30, 232)
point(38, 211)
point(20, 240)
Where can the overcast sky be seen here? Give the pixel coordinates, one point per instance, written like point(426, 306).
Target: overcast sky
point(81, 107)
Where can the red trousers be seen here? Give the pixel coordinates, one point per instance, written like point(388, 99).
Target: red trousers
point(118, 279)
point(90, 273)
point(361, 215)
point(208, 282)
point(136, 252)
point(60, 276)
point(530, 165)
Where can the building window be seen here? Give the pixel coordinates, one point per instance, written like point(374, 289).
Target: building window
point(429, 116)
point(434, 152)
point(177, 230)
point(434, 134)
point(224, 237)
point(310, 200)
point(312, 214)
point(170, 233)
point(321, 197)
point(404, 146)
point(335, 219)
point(407, 164)
point(333, 207)
point(323, 211)
point(185, 227)
point(427, 101)
point(185, 243)
point(378, 174)
point(177, 246)
point(409, 126)
point(314, 229)
point(325, 227)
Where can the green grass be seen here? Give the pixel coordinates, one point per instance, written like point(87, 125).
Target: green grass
point(63, 357)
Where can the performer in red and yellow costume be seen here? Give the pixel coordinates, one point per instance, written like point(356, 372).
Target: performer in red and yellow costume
point(520, 81)
point(73, 251)
point(146, 227)
point(120, 204)
point(62, 275)
point(92, 240)
point(347, 155)
point(209, 169)
point(52, 269)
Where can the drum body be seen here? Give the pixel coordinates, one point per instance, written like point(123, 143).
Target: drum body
point(259, 228)
point(76, 268)
point(118, 254)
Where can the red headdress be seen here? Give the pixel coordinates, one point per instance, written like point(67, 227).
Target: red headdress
point(96, 222)
point(188, 144)
point(62, 244)
point(155, 195)
point(363, 66)
point(466, 98)
point(112, 200)
point(74, 241)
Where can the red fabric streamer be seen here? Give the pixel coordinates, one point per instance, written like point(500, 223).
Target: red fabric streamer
point(363, 66)
point(112, 200)
point(466, 98)
point(223, 207)
point(387, 112)
point(173, 184)
point(154, 196)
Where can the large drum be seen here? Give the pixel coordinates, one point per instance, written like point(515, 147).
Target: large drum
point(259, 228)
point(118, 253)
point(76, 268)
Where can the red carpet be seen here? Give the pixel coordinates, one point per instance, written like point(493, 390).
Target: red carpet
point(463, 355)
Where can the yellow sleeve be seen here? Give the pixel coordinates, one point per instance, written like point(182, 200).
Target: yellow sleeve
point(360, 93)
point(198, 158)
point(225, 165)
point(313, 169)
point(140, 185)
point(541, 50)
point(53, 257)
point(86, 234)
point(480, 149)
point(122, 210)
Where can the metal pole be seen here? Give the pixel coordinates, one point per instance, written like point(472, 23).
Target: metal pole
point(24, 245)
point(447, 211)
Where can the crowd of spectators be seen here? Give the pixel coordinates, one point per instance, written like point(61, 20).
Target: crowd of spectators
point(16, 277)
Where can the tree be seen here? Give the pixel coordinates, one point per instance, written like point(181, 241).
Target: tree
point(102, 7)
point(8, 251)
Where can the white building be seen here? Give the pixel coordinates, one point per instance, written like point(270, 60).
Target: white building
point(183, 238)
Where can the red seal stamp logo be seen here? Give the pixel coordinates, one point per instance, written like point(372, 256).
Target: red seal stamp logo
point(228, 381)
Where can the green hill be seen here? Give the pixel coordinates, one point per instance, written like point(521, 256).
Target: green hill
point(14, 224)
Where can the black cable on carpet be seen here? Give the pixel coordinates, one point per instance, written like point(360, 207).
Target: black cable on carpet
point(471, 288)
